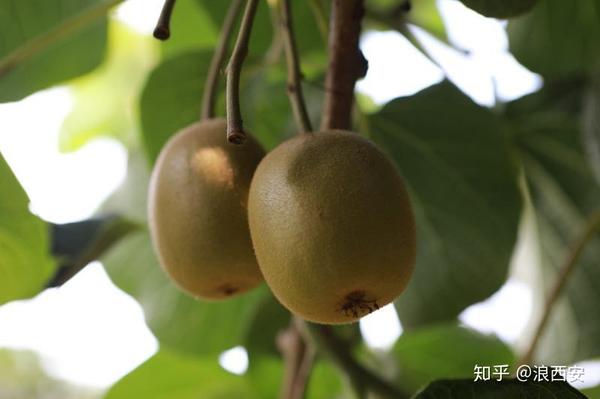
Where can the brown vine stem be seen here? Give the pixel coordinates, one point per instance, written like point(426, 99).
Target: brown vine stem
point(361, 377)
point(294, 85)
point(212, 80)
point(235, 126)
point(299, 357)
point(163, 26)
point(591, 228)
point(346, 63)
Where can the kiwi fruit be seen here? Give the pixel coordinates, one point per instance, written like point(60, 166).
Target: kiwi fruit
point(332, 226)
point(198, 211)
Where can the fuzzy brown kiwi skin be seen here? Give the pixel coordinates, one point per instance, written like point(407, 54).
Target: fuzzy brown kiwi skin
point(197, 208)
point(332, 226)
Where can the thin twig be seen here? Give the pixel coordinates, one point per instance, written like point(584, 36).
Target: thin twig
point(361, 377)
point(235, 126)
point(565, 272)
point(299, 358)
point(300, 385)
point(163, 26)
point(212, 80)
point(294, 84)
point(346, 63)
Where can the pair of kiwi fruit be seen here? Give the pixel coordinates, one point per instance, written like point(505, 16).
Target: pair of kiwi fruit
point(324, 219)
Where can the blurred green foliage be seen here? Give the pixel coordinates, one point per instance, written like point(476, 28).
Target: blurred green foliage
point(25, 260)
point(470, 170)
point(23, 377)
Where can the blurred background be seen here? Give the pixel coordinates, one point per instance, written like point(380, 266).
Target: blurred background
point(77, 340)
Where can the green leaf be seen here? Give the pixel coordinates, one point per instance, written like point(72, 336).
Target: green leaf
point(25, 263)
point(44, 43)
point(172, 96)
point(463, 186)
point(264, 327)
point(426, 15)
point(325, 382)
point(545, 41)
point(168, 375)
point(500, 8)
point(460, 389)
point(106, 100)
point(266, 376)
point(196, 26)
point(592, 393)
point(564, 193)
point(267, 107)
point(192, 27)
point(445, 351)
point(264, 40)
point(178, 321)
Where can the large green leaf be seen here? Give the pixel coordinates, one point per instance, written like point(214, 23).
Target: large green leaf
point(461, 389)
point(445, 351)
point(192, 27)
point(546, 40)
point(178, 321)
point(500, 8)
point(25, 263)
point(196, 25)
point(564, 194)
point(172, 96)
point(45, 42)
point(463, 187)
point(169, 375)
point(268, 113)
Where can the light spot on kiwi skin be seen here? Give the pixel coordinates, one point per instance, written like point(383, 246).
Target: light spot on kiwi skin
point(214, 165)
point(356, 304)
